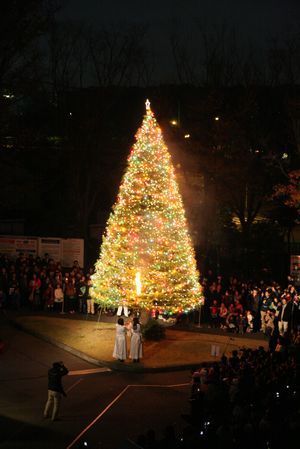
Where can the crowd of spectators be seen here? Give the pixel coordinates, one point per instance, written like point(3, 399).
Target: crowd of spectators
point(251, 398)
point(232, 305)
point(246, 306)
point(42, 284)
point(248, 400)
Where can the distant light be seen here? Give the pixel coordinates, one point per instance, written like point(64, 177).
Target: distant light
point(284, 156)
point(70, 114)
point(9, 96)
point(217, 119)
point(187, 136)
point(174, 122)
point(257, 151)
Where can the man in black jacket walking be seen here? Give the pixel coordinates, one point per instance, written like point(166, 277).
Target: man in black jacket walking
point(55, 389)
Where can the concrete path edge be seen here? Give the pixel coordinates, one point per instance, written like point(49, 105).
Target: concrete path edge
point(115, 366)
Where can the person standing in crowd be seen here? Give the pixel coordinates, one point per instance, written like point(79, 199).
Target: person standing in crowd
point(3, 300)
point(3, 279)
point(136, 345)
point(269, 322)
point(13, 291)
point(250, 321)
point(265, 305)
point(295, 313)
point(82, 295)
point(23, 276)
point(223, 311)
point(254, 301)
point(58, 298)
point(34, 290)
point(48, 296)
point(55, 390)
point(70, 293)
point(214, 314)
point(284, 315)
point(120, 348)
point(89, 299)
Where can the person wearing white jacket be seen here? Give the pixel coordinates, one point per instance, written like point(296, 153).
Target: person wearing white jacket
point(136, 344)
point(120, 349)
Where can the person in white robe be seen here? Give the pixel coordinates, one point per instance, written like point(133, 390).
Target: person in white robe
point(120, 349)
point(136, 344)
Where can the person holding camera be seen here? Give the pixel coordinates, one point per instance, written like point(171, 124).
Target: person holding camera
point(55, 390)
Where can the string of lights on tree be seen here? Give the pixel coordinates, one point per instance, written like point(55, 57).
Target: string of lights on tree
point(146, 258)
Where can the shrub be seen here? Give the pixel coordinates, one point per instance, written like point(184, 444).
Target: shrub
point(153, 330)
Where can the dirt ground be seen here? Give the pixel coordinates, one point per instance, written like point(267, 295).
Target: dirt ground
point(97, 341)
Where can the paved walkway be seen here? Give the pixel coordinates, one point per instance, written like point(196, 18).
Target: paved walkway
point(91, 339)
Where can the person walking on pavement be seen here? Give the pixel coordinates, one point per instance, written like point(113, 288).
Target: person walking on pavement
point(55, 390)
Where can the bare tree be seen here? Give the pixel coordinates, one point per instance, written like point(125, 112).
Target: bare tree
point(218, 56)
point(283, 59)
point(213, 57)
point(67, 56)
point(22, 23)
point(186, 66)
point(119, 55)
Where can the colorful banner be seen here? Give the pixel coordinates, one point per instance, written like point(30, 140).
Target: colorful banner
point(13, 246)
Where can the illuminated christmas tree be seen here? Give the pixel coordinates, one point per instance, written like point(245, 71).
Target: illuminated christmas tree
point(147, 258)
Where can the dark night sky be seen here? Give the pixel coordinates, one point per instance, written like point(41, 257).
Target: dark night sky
point(254, 20)
point(254, 15)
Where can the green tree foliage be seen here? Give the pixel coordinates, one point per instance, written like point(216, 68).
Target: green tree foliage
point(153, 330)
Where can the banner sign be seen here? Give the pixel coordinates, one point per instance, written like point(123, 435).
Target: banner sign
point(72, 249)
point(13, 246)
point(50, 245)
point(60, 250)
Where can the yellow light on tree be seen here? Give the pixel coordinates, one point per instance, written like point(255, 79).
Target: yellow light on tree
point(147, 229)
point(138, 283)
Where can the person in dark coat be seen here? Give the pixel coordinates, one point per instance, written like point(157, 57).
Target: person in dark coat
point(284, 315)
point(55, 390)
